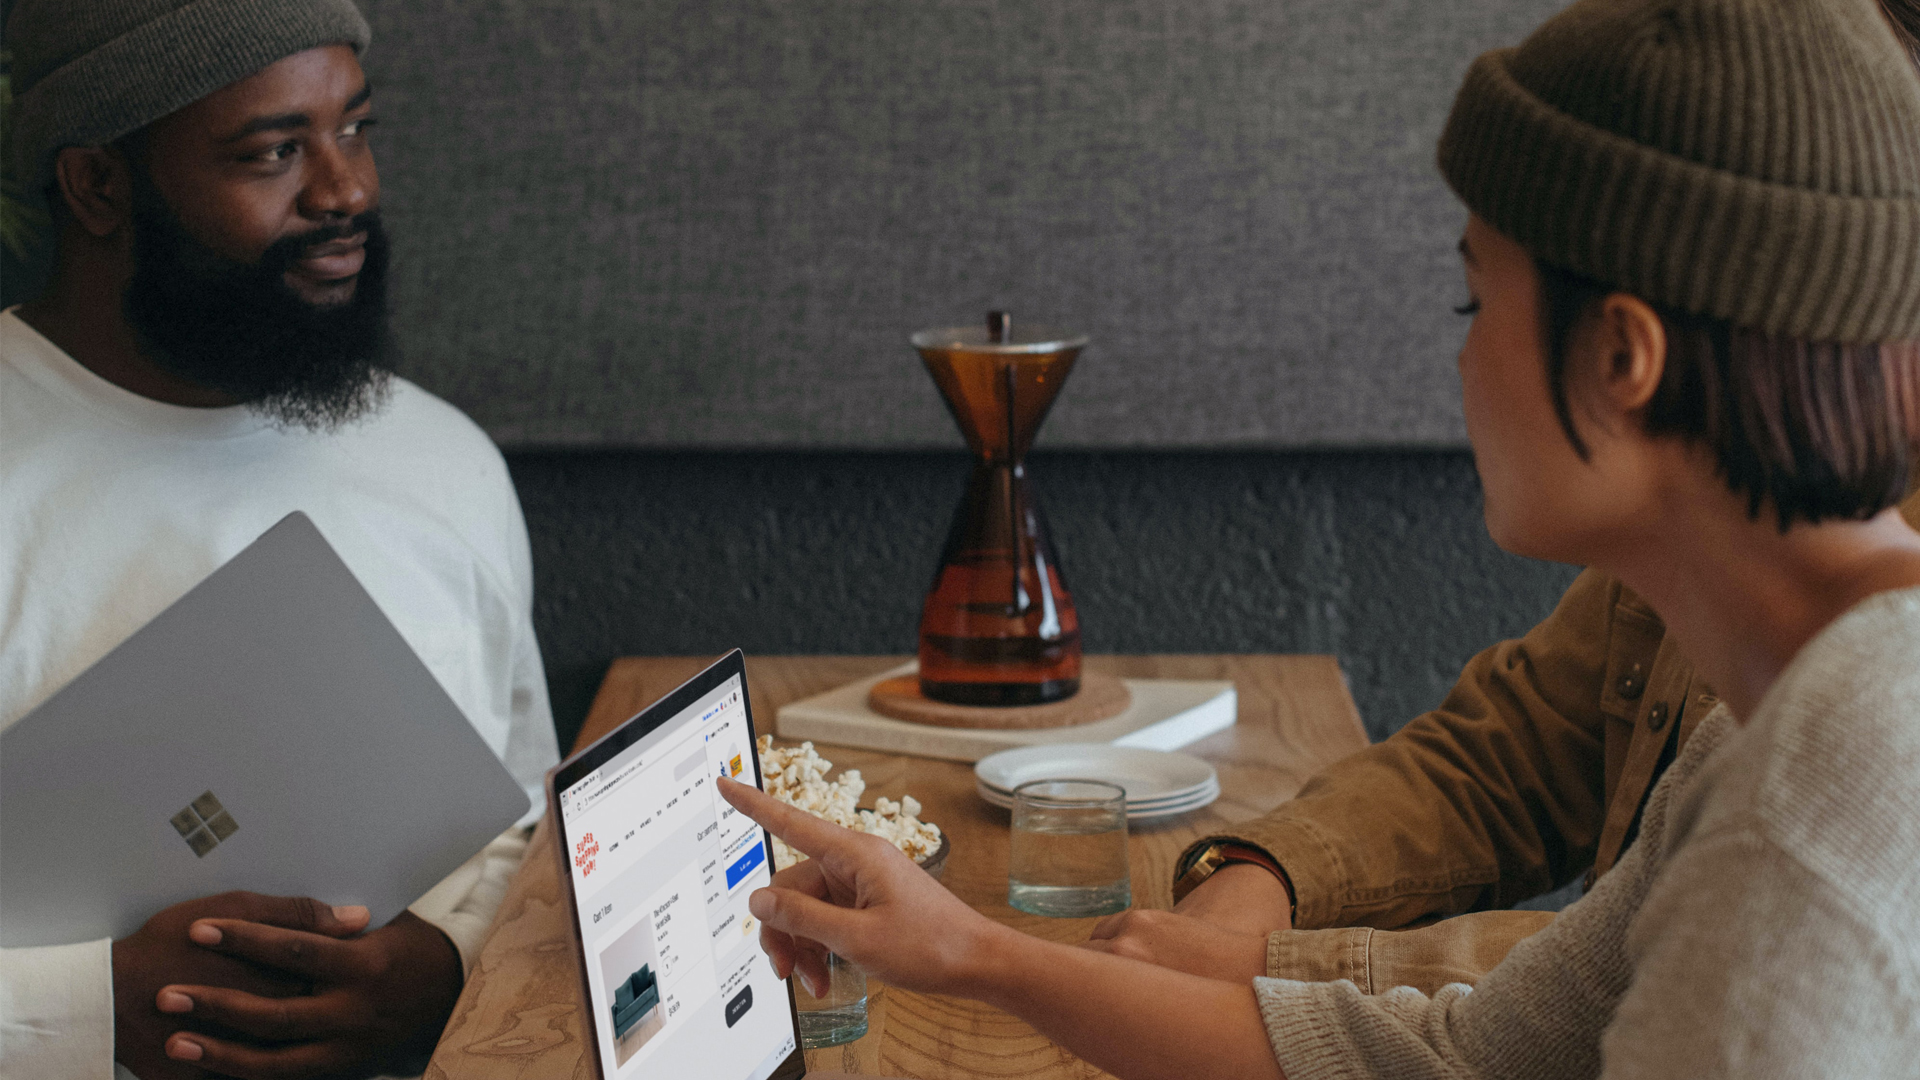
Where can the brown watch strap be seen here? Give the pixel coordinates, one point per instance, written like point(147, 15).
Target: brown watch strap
point(1243, 853)
point(1207, 860)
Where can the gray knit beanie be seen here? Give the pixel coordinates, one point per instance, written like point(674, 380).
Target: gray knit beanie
point(86, 72)
point(1756, 161)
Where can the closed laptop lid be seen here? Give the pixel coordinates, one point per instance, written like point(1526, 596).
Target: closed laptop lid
point(270, 731)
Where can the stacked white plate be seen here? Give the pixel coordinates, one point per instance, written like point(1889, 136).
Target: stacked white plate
point(1159, 783)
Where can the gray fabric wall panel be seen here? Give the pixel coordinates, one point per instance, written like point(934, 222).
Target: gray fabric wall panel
point(645, 223)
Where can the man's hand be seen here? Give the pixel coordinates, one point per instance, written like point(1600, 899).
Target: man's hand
point(377, 1003)
point(1219, 930)
point(160, 953)
point(1240, 897)
point(1182, 943)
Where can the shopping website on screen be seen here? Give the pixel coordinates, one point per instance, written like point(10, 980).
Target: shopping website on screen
point(662, 867)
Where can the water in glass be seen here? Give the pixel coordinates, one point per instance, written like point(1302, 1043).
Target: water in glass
point(840, 1016)
point(1069, 849)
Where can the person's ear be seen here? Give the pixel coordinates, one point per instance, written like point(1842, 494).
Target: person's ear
point(1633, 350)
point(96, 184)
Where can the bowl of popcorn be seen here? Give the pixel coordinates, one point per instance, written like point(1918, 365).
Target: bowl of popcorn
point(797, 776)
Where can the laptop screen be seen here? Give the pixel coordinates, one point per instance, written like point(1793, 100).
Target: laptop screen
point(661, 869)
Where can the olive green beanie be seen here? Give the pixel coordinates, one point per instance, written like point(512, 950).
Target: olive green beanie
point(1756, 161)
point(86, 72)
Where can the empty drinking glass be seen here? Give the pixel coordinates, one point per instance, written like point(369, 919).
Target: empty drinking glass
point(1069, 849)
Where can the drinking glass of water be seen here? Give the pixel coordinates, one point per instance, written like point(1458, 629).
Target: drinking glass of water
point(840, 1016)
point(1069, 849)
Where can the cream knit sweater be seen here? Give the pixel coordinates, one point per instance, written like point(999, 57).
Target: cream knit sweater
point(1766, 923)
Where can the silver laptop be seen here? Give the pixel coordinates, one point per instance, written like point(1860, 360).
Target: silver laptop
point(270, 731)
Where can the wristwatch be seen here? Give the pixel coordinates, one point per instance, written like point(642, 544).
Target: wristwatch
point(1203, 861)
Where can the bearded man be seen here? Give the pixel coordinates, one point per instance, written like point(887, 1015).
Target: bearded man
point(213, 353)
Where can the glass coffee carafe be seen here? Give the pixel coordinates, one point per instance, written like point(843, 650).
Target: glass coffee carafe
point(998, 626)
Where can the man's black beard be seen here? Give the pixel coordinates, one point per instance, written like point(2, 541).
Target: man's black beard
point(239, 328)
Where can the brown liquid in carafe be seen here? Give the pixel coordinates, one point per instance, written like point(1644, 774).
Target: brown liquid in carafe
point(999, 626)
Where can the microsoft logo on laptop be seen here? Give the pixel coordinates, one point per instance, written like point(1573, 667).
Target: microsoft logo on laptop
point(204, 823)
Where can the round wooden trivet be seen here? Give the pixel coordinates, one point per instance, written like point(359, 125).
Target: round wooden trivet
point(1101, 697)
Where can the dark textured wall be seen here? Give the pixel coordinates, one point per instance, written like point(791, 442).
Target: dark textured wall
point(1378, 557)
point(674, 223)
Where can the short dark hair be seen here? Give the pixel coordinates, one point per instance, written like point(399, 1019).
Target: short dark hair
point(1817, 430)
point(1906, 23)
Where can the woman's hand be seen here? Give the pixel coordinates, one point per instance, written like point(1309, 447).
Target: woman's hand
point(860, 897)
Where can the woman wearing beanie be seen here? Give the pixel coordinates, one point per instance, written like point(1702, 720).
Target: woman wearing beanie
point(1693, 266)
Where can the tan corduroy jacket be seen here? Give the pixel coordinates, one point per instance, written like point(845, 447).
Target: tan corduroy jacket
point(1531, 774)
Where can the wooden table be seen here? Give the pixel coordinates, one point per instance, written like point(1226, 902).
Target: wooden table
point(519, 1016)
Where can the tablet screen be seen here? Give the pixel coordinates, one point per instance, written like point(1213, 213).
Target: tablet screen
point(661, 869)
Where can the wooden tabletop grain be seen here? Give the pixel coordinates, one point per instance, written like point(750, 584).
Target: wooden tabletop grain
point(519, 1017)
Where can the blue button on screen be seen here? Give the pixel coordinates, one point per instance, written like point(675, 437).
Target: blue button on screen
point(745, 864)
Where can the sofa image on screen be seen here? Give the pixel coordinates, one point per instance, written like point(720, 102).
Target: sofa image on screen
point(633, 999)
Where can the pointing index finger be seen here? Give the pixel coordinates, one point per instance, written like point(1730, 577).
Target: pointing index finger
point(809, 835)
